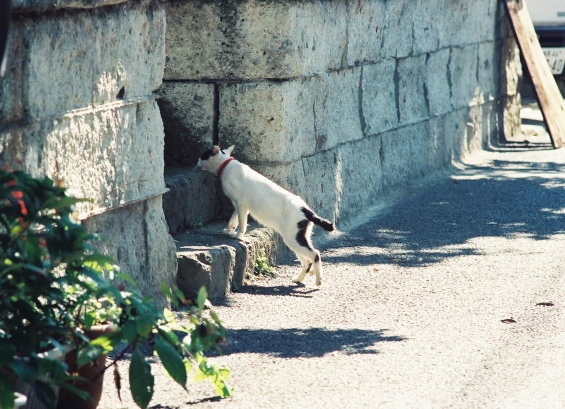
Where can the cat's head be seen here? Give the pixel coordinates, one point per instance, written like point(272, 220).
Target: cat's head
point(211, 159)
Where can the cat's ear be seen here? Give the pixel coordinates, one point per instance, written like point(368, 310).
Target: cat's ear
point(229, 150)
point(215, 150)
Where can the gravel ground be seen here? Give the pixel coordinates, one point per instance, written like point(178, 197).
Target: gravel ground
point(453, 297)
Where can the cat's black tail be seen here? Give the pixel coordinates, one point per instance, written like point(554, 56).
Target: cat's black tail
point(313, 217)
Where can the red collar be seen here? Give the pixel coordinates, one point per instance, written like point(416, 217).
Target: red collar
point(223, 166)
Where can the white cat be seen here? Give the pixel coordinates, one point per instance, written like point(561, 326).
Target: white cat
point(269, 204)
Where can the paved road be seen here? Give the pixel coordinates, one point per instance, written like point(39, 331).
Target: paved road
point(453, 298)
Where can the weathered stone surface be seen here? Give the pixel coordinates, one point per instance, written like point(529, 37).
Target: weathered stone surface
point(268, 121)
point(489, 75)
point(192, 199)
point(366, 21)
point(253, 39)
point(211, 258)
point(111, 157)
point(398, 34)
point(336, 103)
point(359, 186)
point(137, 237)
point(91, 57)
point(412, 96)
point(11, 107)
point(463, 71)
point(130, 51)
point(43, 5)
point(468, 22)
point(379, 97)
point(281, 122)
point(187, 110)
point(426, 30)
point(438, 82)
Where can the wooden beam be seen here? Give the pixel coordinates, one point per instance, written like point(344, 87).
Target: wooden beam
point(547, 93)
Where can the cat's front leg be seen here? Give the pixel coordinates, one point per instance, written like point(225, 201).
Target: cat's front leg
point(232, 224)
point(242, 216)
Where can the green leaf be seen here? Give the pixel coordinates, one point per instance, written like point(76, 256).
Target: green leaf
point(202, 297)
point(89, 353)
point(127, 278)
point(172, 361)
point(7, 395)
point(167, 291)
point(215, 317)
point(26, 371)
point(108, 341)
point(141, 380)
point(130, 331)
point(144, 324)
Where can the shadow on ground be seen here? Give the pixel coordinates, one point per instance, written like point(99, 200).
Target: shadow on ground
point(306, 343)
point(499, 199)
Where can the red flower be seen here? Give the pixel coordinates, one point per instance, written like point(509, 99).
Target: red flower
point(19, 197)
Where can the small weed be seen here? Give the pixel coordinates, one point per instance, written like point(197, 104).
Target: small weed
point(262, 266)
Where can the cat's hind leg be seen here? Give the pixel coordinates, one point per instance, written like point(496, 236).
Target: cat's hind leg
point(306, 265)
point(312, 256)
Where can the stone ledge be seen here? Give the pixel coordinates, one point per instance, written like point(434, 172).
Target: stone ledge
point(44, 5)
point(211, 258)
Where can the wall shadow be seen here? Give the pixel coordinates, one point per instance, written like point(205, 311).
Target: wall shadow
point(502, 199)
point(305, 342)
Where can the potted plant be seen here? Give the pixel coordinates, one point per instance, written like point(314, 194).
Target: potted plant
point(50, 275)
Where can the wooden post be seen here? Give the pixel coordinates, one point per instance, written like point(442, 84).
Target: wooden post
point(547, 93)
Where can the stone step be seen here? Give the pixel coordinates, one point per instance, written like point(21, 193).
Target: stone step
point(209, 257)
point(194, 199)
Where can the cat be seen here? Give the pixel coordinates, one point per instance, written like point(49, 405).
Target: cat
point(269, 204)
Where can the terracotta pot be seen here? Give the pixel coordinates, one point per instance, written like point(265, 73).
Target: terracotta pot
point(90, 371)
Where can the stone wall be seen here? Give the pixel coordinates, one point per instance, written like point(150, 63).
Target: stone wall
point(337, 100)
point(77, 104)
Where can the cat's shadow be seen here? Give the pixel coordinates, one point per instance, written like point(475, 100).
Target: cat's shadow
point(295, 290)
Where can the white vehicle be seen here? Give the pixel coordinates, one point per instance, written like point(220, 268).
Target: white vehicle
point(548, 17)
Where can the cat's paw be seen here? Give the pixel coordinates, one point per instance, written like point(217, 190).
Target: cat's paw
point(318, 282)
point(297, 279)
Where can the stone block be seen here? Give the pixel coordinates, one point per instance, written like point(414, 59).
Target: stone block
point(398, 33)
point(130, 51)
point(192, 199)
point(253, 39)
point(511, 68)
point(489, 72)
point(110, 156)
point(268, 121)
point(283, 121)
point(44, 5)
point(412, 96)
point(359, 176)
point(379, 97)
point(210, 258)
point(409, 153)
point(60, 60)
point(187, 110)
point(438, 82)
point(426, 26)
point(464, 76)
point(137, 237)
point(468, 22)
point(11, 107)
point(84, 58)
point(337, 107)
point(366, 21)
